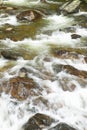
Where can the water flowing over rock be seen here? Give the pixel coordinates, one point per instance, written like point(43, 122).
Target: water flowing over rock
point(14, 54)
point(8, 54)
point(43, 65)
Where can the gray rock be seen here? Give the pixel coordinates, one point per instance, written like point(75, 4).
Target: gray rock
point(70, 6)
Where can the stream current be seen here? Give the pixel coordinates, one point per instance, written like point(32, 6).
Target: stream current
point(65, 106)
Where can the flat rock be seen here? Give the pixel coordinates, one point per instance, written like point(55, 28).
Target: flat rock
point(70, 6)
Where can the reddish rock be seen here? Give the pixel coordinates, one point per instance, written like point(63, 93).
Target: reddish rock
point(22, 87)
point(76, 72)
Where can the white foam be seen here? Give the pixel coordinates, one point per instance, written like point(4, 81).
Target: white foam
point(2, 62)
point(21, 2)
point(58, 21)
point(8, 20)
point(82, 32)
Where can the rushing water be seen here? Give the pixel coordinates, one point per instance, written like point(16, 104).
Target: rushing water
point(65, 106)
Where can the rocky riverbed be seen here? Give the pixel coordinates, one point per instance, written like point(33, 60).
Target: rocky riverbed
point(43, 65)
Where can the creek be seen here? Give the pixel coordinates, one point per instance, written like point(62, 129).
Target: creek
point(43, 47)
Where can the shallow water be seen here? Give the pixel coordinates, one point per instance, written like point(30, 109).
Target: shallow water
point(64, 106)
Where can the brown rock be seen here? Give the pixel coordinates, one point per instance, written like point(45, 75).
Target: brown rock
point(22, 87)
point(38, 122)
point(29, 15)
point(65, 54)
point(74, 71)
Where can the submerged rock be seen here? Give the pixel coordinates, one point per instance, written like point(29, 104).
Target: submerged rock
point(15, 53)
point(38, 122)
point(67, 84)
point(67, 52)
point(43, 1)
point(70, 6)
point(41, 101)
point(62, 126)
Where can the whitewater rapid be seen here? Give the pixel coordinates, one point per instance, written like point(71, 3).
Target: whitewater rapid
point(64, 106)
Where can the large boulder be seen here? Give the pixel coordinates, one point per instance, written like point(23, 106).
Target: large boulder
point(62, 126)
point(38, 122)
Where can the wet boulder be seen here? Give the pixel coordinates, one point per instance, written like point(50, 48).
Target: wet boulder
point(75, 36)
point(9, 54)
point(38, 122)
point(29, 15)
point(21, 87)
point(15, 53)
point(62, 126)
point(66, 54)
point(70, 7)
point(74, 71)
